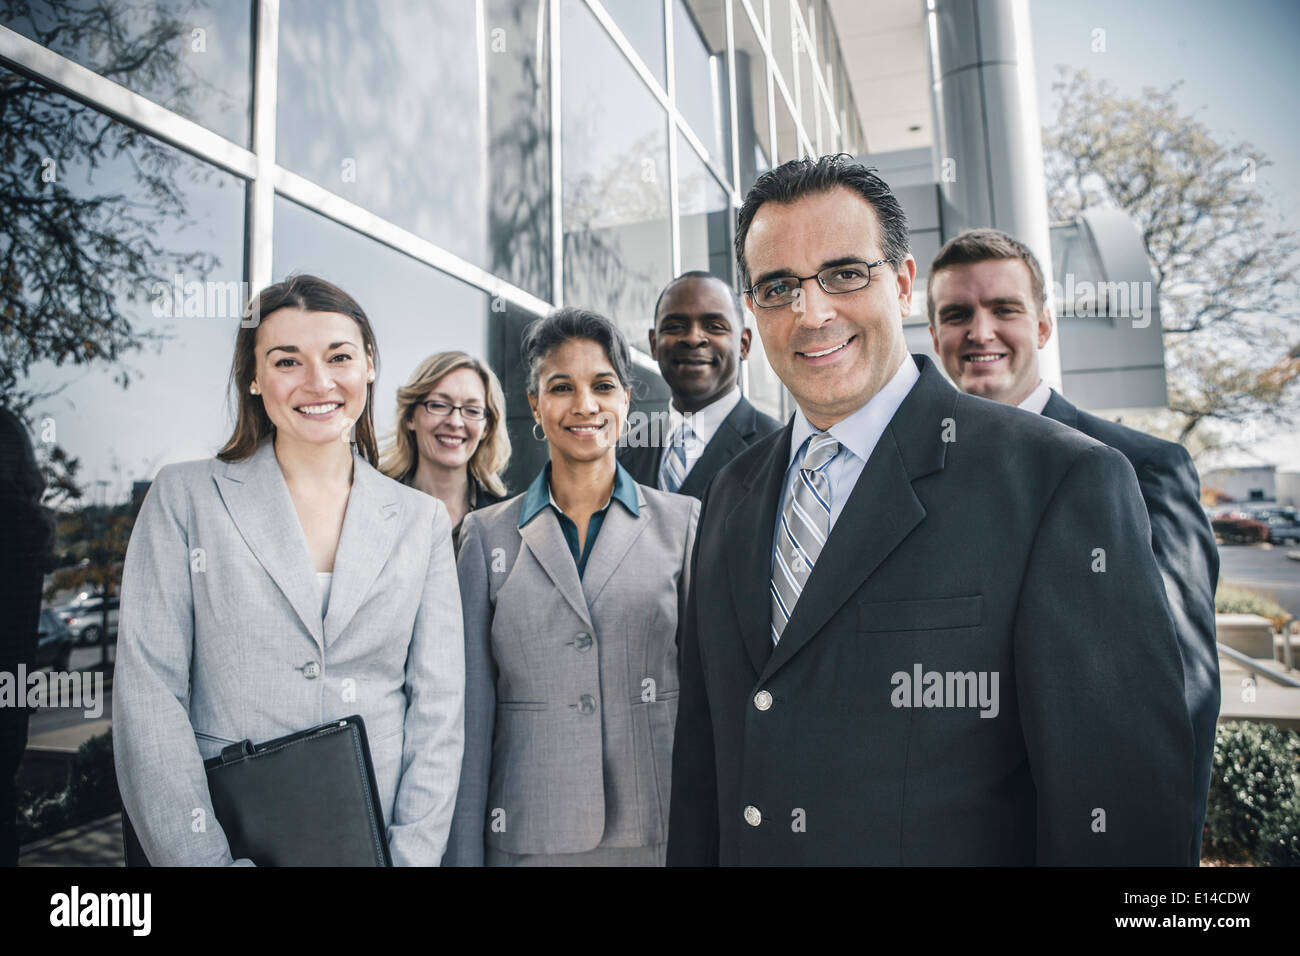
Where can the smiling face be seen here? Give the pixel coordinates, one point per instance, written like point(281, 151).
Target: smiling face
point(311, 371)
point(450, 442)
point(698, 341)
point(833, 352)
point(988, 328)
point(580, 402)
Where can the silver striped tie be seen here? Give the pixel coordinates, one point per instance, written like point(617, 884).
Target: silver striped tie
point(672, 471)
point(805, 523)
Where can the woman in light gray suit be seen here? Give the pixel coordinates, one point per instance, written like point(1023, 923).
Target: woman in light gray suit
point(571, 593)
point(287, 583)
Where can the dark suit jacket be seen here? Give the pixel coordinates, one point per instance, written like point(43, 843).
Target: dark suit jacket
point(971, 544)
point(743, 426)
point(1188, 560)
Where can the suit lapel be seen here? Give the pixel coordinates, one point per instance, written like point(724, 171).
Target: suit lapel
point(258, 501)
point(1060, 410)
point(370, 527)
point(725, 445)
point(880, 513)
point(618, 532)
point(641, 461)
point(543, 537)
point(749, 528)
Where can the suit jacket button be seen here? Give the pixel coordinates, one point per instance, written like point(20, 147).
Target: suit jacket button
point(762, 700)
point(752, 816)
point(583, 641)
point(311, 670)
point(586, 705)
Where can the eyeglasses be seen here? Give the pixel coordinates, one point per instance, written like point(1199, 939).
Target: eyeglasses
point(834, 280)
point(471, 413)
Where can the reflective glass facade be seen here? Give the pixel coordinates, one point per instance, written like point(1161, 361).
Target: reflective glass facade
point(459, 166)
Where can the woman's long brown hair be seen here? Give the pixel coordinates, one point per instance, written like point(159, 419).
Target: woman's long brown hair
point(252, 425)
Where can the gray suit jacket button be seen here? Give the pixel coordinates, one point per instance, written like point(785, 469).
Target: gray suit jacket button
point(311, 670)
point(762, 700)
point(583, 641)
point(586, 705)
point(752, 816)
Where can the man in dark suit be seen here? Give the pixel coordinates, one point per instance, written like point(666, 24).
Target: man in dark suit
point(699, 340)
point(924, 628)
point(989, 317)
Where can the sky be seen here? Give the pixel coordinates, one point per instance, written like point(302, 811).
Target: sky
point(1236, 63)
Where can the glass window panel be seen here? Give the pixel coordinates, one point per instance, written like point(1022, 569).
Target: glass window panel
point(831, 141)
point(764, 388)
point(617, 235)
point(853, 129)
point(755, 143)
point(642, 22)
point(700, 52)
point(807, 92)
point(787, 137)
point(825, 30)
point(519, 143)
point(414, 309)
point(191, 56)
point(124, 270)
point(527, 455)
point(782, 41)
point(379, 102)
point(705, 216)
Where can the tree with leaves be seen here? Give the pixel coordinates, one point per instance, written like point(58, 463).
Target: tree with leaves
point(72, 259)
point(1224, 276)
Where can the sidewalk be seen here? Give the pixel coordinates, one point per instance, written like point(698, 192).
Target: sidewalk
point(98, 843)
point(44, 766)
point(1272, 703)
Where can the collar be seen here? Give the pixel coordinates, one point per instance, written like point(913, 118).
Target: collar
point(1037, 400)
point(538, 495)
point(706, 422)
point(861, 430)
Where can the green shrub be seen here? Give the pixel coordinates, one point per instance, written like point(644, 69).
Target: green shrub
point(1233, 600)
point(1254, 805)
point(91, 793)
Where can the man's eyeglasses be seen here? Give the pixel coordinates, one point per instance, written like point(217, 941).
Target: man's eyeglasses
point(835, 280)
point(471, 413)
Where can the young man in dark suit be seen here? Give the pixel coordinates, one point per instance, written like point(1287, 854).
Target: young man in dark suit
point(989, 316)
point(923, 628)
point(699, 340)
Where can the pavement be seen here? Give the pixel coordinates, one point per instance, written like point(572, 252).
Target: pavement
point(54, 734)
point(98, 843)
point(1263, 567)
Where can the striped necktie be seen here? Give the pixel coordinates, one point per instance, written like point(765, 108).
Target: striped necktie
point(805, 523)
point(672, 470)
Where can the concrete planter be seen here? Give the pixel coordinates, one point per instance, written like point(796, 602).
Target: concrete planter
point(1249, 633)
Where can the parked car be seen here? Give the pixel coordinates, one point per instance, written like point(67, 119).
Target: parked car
point(84, 617)
point(53, 642)
point(1283, 529)
point(1239, 530)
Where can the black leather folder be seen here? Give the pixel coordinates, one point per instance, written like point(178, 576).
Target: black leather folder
point(308, 799)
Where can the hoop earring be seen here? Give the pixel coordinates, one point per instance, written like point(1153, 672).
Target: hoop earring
point(542, 436)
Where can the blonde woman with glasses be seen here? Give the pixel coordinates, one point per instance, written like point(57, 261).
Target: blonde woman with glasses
point(450, 440)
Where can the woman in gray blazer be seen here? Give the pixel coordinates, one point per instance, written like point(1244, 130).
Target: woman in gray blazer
point(571, 593)
point(284, 584)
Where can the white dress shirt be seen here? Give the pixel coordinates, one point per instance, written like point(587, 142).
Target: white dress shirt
point(324, 580)
point(1037, 400)
point(704, 423)
point(857, 436)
